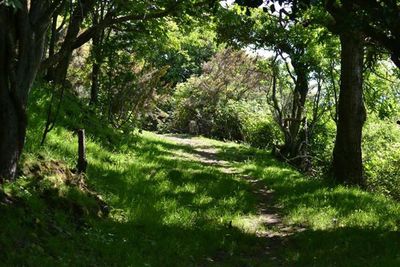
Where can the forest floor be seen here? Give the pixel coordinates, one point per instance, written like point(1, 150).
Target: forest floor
point(175, 200)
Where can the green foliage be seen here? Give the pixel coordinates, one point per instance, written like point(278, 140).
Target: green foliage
point(128, 89)
point(381, 147)
point(257, 125)
point(321, 142)
point(381, 93)
point(219, 100)
point(234, 27)
point(139, 65)
point(185, 49)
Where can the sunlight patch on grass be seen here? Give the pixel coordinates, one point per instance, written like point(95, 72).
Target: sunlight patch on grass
point(169, 209)
point(202, 199)
point(252, 224)
point(311, 202)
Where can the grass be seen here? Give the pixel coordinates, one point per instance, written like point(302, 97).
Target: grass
point(170, 210)
point(345, 226)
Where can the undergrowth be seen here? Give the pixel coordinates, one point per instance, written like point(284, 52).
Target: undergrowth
point(140, 204)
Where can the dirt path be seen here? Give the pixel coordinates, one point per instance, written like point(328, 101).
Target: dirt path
point(203, 152)
point(268, 223)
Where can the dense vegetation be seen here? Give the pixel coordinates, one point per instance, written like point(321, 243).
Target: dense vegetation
point(302, 95)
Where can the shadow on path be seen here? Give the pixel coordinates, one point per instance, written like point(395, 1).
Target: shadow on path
point(267, 224)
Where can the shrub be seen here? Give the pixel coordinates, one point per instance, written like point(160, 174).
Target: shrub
point(258, 127)
point(321, 143)
point(381, 148)
point(220, 100)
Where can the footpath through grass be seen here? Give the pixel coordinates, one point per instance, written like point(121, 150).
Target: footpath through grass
point(343, 226)
point(168, 208)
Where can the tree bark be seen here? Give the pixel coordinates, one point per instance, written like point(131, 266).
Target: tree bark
point(52, 45)
point(299, 101)
point(21, 51)
point(80, 12)
point(82, 162)
point(347, 154)
point(98, 15)
point(94, 90)
point(13, 126)
point(292, 125)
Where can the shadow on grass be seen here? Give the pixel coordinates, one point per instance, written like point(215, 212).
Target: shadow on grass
point(168, 211)
point(172, 211)
point(348, 246)
point(346, 226)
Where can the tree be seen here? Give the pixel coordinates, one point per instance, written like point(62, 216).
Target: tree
point(21, 50)
point(345, 19)
point(379, 21)
point(347, 154)
point(119, 14)
point(298, 47)
point(22, 44)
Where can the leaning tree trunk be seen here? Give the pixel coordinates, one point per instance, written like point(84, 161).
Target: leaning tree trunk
point(64, 56)
point(347, 155)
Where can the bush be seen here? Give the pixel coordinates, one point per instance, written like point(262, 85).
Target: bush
point(258, 128)
point(321, 143)
point(381, 148)
point(228, 101)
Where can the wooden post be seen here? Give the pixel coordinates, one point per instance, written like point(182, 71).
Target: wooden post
point(82, 163)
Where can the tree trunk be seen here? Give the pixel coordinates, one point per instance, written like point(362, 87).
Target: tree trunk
point(292, 128)
point(94, 90)
point(299, 101)
point(59, 71)
point(96, 50)
point(12, 119)
point(21, 51)
point(52, 46)
point(347, 154)
point(12, 133)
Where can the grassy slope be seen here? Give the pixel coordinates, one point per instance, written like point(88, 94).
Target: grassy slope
point(346, 226)
point(168, 211)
